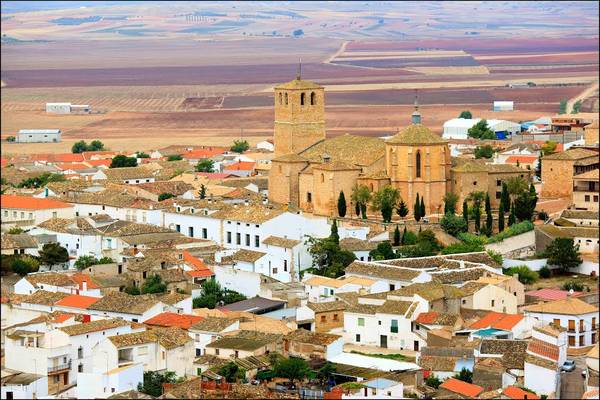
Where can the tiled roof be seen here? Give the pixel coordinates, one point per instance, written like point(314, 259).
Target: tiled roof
point(176, 188)
point(416, 134)
point(166, 319)
point(430, 291)
point(171, 275)
point(516, 393)
point(281, 242)
point(125, 303)
point(290, 158)
point(372, 270)
point(193, 389)
point(568, 232)
point(498, 321)
point(299, 84)
point(592, 175)
point(80, 278)
point(353, 244)
point(77, 226)
point(93, 326)
point(212, 324)
point(77, 301)
point(253, 213)
point(462, 388)
point(543, 349)
point(304, 336)
point(171, 298)
point(352, 149)
point(541, 362)
point(551, 329)
point(470, 288)
point(43, 297)
point(334, 166)
point(31, 203)
point(394, 307)
point(568, 306)
point(245, 340)
point(435, 318)
point(581, 214)
point(327, 306)
point(244, 256)
point(50, 278)
point(316, 280)
point(551, 294)
point(513, 351)
point(239, 166)
point(453, 277)
point(437, 363)
point(168, 338)
point(521, 159)
point(572, 154)
point(120, 174)
point(18, 241)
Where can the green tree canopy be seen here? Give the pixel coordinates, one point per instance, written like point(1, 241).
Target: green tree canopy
point(562, 108)
point(384, 251)
point(450, 200)
point(212, 294)
point(79, 147)
point(501, 218)
point(453, 224)
point(564, 253)
point(231, 372)
point(41, 180)
point(417, 209)
point(240, 146)
point(384, 200)
point(205, 165)
point(481, 131)
point(122, 161)
point(402, 209)
point(53, 253)
point(85, 261)
point(485, 151)
point(153, 284)
point(341, 205)
point(175, 157)
point(466, 115)
point(165, 196)
point(361, 195)
point(96, 145)
point(464, 375)
point(292, 368)
point(24, 265)
point(153, 382)
point(141, 154)
point(397, 236)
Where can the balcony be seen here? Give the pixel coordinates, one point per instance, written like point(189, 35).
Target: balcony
point(57, 369)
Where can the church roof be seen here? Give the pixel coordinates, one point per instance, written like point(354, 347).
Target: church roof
point(356, 150)
point(299, 84)
point(416, 134)
point(335, 166)
point(291, 157)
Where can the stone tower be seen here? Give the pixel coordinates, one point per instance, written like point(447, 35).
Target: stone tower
point(299, 116)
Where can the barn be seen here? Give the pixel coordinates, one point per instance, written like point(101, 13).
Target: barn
point(503, 106)
point(38, 135)
point(458, 128)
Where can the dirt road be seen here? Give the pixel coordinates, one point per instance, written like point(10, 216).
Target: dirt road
point(582, 96)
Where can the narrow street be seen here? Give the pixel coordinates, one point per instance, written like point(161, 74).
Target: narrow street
point(572, 383)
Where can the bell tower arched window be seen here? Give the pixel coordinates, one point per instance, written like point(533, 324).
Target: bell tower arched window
point(286, 99)
point(313, 98)
point(302, 98)
point(322, 178)
point(280, 98)
point(418, 164)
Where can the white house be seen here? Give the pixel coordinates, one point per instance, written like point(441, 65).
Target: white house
point(503, 105)
point(266, 145)
point(24, 211)
point(546, 353)
point(20, 243)
point(393, 276)
point(319, 288)
point(38, 136)
point(101, 385)
point(578, 317)
point(48, 281)
point(210, 329)
point(23, 385)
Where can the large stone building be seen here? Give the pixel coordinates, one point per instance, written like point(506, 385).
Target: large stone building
point(309, 171)
point(590, 134)
point(559, 169)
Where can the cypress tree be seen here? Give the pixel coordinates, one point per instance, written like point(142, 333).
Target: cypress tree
point(417, 209)
point(363, 210)
point(489, 223)
point(402, 210)
point(477, 216)
point(334, 236)
point(422, 208)
point(403, 240)
point(397, 236)
point(357, 209)
point(465, 213)
point(500, 219)
point(511, 216)
point(202, 192)
point(341, 205)
point(505, 197)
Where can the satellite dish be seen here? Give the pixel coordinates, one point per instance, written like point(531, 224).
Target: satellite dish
point(571, 292)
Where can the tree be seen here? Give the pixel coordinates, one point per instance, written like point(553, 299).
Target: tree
point(417, 209)
point(132, 290)
point(11, 139)
point(501, 218)
point(564, 253)
point(462, 247)
point(212, 294)
point(384, 201)
point(240, 146)
point(409, 238)
point(122, 161)
point(515, 186)
point(96, 145)
point(324, 373)
point(402, 209)
point(489, 221)
point(205, 165)
point(511, 217)
point(175, 157)
point(292, 368)
point(328, 258)
point(485, 151)
point(153, 382)
point(538, 167)
point(334, 236)
point(397, 236)
point(427, 236)
point(450, 200)
point(357, 209)
point(341, 205)
point(525, 204)
point(53, 253)
point(24, 265)
point(384, 251)
point(165, 196)
point(153, 284)
point(577, 107)
point(464, 375)
point(85, 261)
point(481, 131)
point(361, 195)
point(549, 147)
point(433, 381)
point(466, 115)
point(141, 154)
point(422, 207)
point(202, 191)
point(231, 372)
point(15, 230)
point(477, 216)
point(41, 180)
point(453, 224)
point(505, 197)
point(562, 109)
point(525, 275)
point(79, 147)
point(544, 272)
point(465, 213)
point(572, 285)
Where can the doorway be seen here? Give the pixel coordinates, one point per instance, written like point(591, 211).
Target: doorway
point(383, 341)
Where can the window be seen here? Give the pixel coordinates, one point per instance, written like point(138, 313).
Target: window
point(228, 237)
point(587, 198)
point(498, 195)
point(418, 164)
point(178, 228)
point(392, 287)
point(284, 265)
point(144, 274)
point(394, 326)
point(80, 368)
point(493, 302)
point(23, 214)
point(593, 323)
point(142, 351)
point(191, 231)
point(280, 103)
point(204, 233)
point(80, 353)
point(581, 329)
point(323, 318)
point(236, 354)
point(322, 178)
point(286, 99)
point(198, 371)
point(571, 324)
point(54, 215)
point(474, 183)
point(498, 182)
point(361, 322)
point(256, 241)
point(163, 355)
point(464, 301)
point(593, 337)
point(247, 239)
point(217, 350)
point(308, 197)
point(275, 270)
point(358, 338)
point(313, 99)
point(595, 199)
point(302, 98)
point(335, 317)
point(238, 238)
point(581, 340)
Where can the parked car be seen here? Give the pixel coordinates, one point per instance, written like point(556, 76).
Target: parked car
point(568, 366)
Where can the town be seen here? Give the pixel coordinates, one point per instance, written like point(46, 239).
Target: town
point(349, 267)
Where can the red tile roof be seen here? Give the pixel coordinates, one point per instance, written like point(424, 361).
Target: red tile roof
point(98, 163)
point(77, 301)
point(56, 158)
point(73, 166)
point(168, 319)
point(200, 273)
point(513, 392)
point(427, 317)
point(462, 388)
point(202, 153)
point(200, 270)
point(498, 321)
point(3, 162)
point(62, 318)
point(79, 278)
point(551, 294)
point(543, 349)
point(521, 159)
point(30, 203)
point(240, 166)
point(88, 155)
point(215, 175)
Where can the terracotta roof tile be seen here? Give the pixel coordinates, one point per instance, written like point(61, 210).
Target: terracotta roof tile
point(304, 336)
point(326, 306)
point(77, 301)
point(568, 306)
point(44, 298)
point(462, 388)
point(212, 324)
point(498, 321)
point(169, 338)
point(31, 203)
point(281, 242)
point(18, 241)
point(50, 278)
point(123, 302)
point(93, 326)
point(551, 294)
point(516, 393)
point(543, 349)
point(377, 271)
point(80, 278)
point(416, 134)
point(167, 319)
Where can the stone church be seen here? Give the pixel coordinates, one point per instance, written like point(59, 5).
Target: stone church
point(309, 170)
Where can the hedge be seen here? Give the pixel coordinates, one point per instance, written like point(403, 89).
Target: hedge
point(513, 230)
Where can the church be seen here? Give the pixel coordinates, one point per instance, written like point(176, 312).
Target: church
point(309, 170)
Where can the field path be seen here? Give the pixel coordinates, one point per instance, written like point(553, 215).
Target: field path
point(337, 53)
point(582, 96)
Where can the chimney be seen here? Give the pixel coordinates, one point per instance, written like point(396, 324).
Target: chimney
point(326, 158)
point(84, 286)
point(246, 202)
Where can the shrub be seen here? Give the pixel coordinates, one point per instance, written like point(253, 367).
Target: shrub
point(132, 290)
point(545, 272)
point(471, 238)
point(11, 139)
point(453, 224)
point(122, 161)
point(84, 262)
point(240, 146)
point(573, 285)
point(153, 284)
point(409, 238)
point(462, 248)
point(564, 253)
point(542, 215)
point(526, 275)
point(513, 230)
point(433, 381)
point(175, 157)
point(25, 265)
point(494, 255)
point(165, 196)
point(15, 230)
